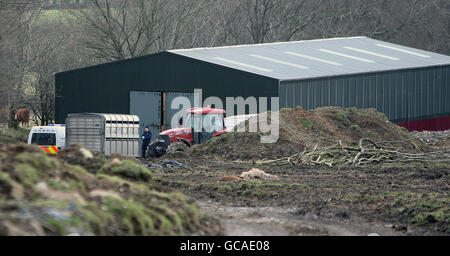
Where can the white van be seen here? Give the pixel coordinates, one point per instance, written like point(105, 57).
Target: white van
point(51, 138)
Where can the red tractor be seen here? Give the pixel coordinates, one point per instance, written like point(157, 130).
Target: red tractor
point(179, 139)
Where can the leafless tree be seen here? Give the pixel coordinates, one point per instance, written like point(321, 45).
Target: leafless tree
point(259, 21)
point(414, 23)
point(34, 48)
point(14, 17)
point(50, 51)
point(119, 29)
point(266, 16)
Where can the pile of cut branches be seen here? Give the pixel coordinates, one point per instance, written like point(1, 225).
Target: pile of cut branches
point(365, 153)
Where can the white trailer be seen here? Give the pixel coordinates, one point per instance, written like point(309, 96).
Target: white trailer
point(106, 133)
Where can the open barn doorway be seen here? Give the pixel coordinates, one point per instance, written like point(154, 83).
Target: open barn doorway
point(154, 109)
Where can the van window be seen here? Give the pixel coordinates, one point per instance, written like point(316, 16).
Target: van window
point(43, 139)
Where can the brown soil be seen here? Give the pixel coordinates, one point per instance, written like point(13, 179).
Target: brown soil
point(72, 155)
point(412, 199)
point(299, 129)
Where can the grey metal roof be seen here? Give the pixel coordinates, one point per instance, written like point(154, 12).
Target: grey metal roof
point(317, 58)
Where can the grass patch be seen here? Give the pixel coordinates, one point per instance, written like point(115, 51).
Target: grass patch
point(307, 124)
point(341, 116)
point(414, 208)
point(355, 127)
point(430, 211)
point(127, 169)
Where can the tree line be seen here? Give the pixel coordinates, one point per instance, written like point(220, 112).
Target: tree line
point(63, 4)
point(40, 38)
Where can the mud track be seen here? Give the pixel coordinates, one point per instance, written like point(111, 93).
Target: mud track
point(390, 199)
point(278, 221)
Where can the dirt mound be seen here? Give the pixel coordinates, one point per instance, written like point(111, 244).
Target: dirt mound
point(115, 164)
point(41, 194)
point(245, 146)
point(126, 169)
point(20, 148)
point(300, 129)
point(122, 157)
point(74, 155)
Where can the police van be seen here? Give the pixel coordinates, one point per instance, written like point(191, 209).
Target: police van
point(51, 138)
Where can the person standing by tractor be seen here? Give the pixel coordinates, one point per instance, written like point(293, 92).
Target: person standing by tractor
point(146, 137)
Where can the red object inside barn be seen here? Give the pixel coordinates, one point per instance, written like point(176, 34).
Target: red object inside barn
point(431, 124)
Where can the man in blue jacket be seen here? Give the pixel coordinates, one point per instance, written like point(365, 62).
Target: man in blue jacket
point(146, 137)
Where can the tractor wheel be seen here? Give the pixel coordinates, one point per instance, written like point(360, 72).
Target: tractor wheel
point(176, 147)
point(156, 150)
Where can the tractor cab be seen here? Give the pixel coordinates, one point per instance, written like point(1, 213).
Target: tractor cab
point(198, 126)
point(205, 123)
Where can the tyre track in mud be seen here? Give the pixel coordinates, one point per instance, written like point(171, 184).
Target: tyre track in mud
point(277, 221)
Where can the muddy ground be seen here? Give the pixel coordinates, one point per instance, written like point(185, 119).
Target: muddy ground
point(387, 199)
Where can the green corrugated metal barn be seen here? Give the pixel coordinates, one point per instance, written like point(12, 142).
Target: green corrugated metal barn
point(411, 86)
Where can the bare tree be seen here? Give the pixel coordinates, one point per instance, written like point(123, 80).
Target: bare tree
point(183, 23)
point(265, 16)
point(414, 23)
point(120, 29)
point(34, 48)
point(259, 21)
point(14, 17)
point(301, 15)
point(50, 50)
